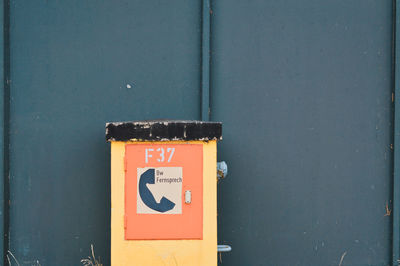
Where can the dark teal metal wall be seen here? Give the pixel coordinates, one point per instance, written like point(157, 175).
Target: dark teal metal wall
point(71, 65)
point(396, 138)
point(303, 89)
point(4, 92)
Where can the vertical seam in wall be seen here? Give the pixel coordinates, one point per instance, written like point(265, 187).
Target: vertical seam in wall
point(205, 61)
point(396, 138)
point(6, 121)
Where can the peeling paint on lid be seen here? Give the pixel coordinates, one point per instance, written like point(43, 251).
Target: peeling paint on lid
point(163, 130)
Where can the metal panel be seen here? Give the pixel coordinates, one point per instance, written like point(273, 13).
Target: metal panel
point(4, 115)
point(304, 91)
point(76, 65)
point(396, 165)
point(205, 60)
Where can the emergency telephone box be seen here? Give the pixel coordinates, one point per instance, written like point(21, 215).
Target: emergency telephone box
point(163, 192)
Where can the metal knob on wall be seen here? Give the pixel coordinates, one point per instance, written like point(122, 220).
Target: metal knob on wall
point(224, 248)
point(222, 170)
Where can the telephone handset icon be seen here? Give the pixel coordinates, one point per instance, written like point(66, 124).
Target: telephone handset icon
point(147, 197)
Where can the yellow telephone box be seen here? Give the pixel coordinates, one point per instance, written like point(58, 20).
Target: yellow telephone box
point(163, 192)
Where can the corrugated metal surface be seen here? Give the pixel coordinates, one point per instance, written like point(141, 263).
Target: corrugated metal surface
point(75, 66)
point(304, 91)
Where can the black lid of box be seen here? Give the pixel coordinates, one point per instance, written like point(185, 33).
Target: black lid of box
point(163, 130)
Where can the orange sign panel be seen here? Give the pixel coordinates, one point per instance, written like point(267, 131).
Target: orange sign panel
point(163, 191)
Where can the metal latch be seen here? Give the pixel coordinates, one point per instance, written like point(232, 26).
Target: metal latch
point(188, 197)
